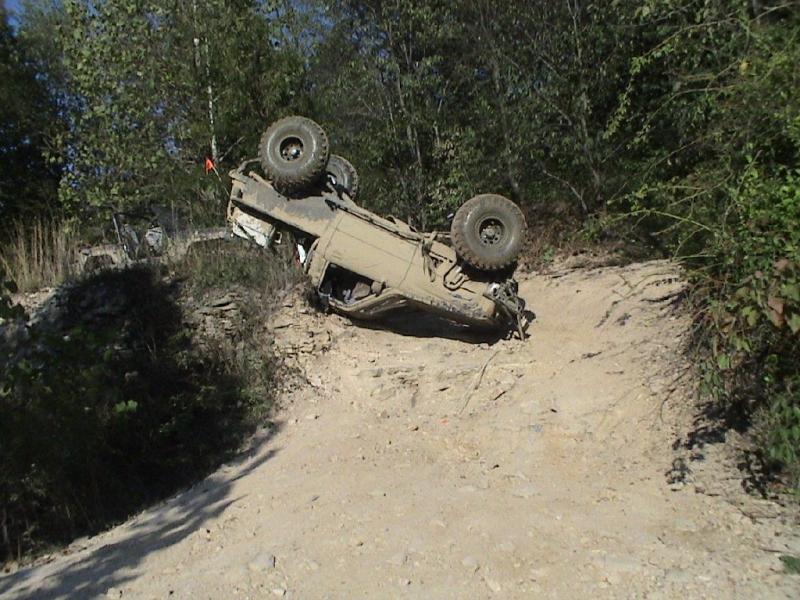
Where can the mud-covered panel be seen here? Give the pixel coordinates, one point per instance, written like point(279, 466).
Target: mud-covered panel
point(370, 251)
point(312, 214)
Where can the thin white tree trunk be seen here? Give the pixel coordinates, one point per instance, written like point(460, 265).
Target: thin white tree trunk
point(209, 87)
point(210, 92)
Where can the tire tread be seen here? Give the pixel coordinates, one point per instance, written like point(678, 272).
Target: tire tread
point(459, 227)
point(294, 183)
point(351, 173)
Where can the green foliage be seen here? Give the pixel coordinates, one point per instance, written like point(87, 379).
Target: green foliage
point(151, 88)
point(753, 316)
point(791, 564)
point(117, 404)
point(385, 102)
point(237, 263)
point(439, 101)
point(27, 118)
point(722, 148)
point(8, 310)
point(783, 421)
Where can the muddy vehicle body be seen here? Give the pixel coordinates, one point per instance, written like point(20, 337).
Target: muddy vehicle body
point(363, 265)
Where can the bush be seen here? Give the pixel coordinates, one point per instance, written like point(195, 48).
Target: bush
point(114, 406)
point(752, 319)
point(724, 197)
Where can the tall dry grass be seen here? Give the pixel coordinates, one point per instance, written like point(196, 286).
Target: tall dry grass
point(39, 253)
point(220, 264)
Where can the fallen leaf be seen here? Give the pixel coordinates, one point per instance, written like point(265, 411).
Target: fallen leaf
point(775, 304)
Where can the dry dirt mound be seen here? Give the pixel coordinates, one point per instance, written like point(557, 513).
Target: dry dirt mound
point(442, 467)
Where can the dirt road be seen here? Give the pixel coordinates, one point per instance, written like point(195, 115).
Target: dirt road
point(425, 467)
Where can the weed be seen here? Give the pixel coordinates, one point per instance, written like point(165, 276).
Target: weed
point(226, 263)
point(40, 253)
point(791, 564)
point(118, 403)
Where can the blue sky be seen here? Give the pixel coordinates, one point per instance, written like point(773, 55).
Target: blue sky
point(12, 6)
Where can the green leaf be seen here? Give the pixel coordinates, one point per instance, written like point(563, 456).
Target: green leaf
point(750, 315)
point(126, 407)
point(793, 321)
point(791, 291)
point(791, 564)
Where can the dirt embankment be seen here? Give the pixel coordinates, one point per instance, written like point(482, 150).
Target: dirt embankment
point(439, 467)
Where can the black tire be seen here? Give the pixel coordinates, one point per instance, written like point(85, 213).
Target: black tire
point(343, 175)
point(488, 232)
point(294, 153)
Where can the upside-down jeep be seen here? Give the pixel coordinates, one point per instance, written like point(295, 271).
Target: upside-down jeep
point(365, 266)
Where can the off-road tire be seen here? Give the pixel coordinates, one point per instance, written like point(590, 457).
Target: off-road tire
point(290, 173)
point(488, 232)
point(344, 174)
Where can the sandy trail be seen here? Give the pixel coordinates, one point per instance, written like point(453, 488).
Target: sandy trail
point(427, 467)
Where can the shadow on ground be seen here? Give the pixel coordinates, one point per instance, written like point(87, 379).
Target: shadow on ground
point(711, 426)
point(419, 324)
point(92, 572)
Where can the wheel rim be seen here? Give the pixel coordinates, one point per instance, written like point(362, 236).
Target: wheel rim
point(291, 149)
point(491, 231)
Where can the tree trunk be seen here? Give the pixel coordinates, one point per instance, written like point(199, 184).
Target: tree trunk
point(207, 77)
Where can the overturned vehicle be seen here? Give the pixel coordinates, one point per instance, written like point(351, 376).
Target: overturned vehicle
point(365, 266)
